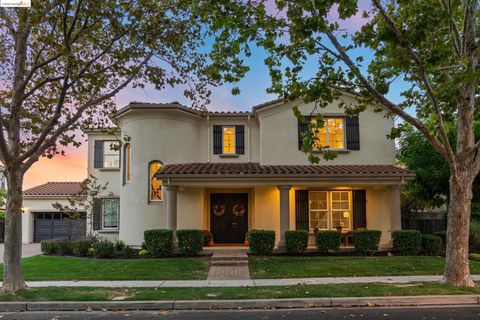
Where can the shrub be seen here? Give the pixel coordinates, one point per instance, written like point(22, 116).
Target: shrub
point(80, 247)
point(119, 245)
point(207, 237)
point(261, 242)
point(296, 240)
point(158, 242)
point(49, 247)
point(474, 237)
point(129, 252)
point(65, 247)
point(366, 241)
point(328, 240)
point(407, 242)
point(431, 244)
point(190, 241)
point(104, 249)
point(443, 235)
point(474, 256)
point(143, 252)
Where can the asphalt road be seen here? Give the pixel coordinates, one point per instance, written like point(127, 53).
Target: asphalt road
point(403, 313)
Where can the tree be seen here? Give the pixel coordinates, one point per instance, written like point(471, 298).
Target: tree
point(431, 45)
point(61, 64)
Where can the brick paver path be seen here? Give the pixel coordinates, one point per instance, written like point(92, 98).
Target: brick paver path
point(229, 265)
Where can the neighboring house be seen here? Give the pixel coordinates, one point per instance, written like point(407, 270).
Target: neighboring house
point(230, 172)
point(41, 221)
point(3, 178)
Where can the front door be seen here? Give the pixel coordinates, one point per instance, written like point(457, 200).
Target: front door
point(229, 217)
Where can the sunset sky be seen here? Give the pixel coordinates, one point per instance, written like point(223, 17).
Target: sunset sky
point(73, 166)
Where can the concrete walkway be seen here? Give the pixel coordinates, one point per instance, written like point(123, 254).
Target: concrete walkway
point(237, 283)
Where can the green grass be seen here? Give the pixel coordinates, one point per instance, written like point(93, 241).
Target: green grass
point(42, 268)
point(299, 291)
point(303, 267)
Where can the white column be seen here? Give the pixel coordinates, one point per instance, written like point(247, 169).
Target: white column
point(171, 197)
point(395, 210)
point(284, 213)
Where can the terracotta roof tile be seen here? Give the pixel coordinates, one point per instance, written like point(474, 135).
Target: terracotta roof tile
point(54, 189)
point(254, 168)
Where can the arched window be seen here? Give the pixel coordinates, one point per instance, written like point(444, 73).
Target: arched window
point(155, 184)
point(127, 163)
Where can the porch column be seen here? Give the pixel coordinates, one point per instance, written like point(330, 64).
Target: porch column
point(395, 213)
point(284, 213)
point(171, 197)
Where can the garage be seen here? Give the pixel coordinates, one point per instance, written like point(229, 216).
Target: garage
point(58, 225)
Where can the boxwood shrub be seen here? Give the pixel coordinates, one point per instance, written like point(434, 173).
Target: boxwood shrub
point(49, 247)
point(80, 247)
point(129, 252)
point(296, 241)
point(261, 242)
point(190, 241)
point(65, 247)
point(366, 241)
point(431, 244)
point(104, 249)
point(443, 235)
point(328, 241)
point(207, 237)
point(158, 242)
point(407, 242)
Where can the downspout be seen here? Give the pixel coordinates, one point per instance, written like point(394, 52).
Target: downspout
point(208, 138)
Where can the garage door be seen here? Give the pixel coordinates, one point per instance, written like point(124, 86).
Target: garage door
point(57, 225)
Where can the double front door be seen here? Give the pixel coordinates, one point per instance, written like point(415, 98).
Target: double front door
point(229, 217)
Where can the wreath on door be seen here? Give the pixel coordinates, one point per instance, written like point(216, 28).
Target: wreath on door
point(219, 210)
point(238, 210)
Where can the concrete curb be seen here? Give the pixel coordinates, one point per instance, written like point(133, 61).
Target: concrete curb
point(243, 304)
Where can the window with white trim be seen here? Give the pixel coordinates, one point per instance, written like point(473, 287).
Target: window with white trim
point(329, 210)
point(332, 134)
point(111, 154)
point(110, 213)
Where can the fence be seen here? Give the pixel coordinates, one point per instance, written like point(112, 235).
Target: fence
point(426, 222)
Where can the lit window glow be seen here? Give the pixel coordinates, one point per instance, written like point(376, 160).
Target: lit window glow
point(330, 210)
point(331, 135)
point(228, 139)
point(155, 186)
point(111, 154)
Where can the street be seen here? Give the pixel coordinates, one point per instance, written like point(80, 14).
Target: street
point(400, 313)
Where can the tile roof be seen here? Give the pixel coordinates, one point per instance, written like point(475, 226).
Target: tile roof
point(254, 168)
point(54, 189)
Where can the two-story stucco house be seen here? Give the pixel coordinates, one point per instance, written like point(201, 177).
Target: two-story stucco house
point(230, 172)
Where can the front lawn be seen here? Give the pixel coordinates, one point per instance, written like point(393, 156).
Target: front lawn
point(310, 267)
point(42, 268)
point(223, 293)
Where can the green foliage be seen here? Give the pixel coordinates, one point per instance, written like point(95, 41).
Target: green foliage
point(328, 241)
point(207, 237)
point(474, 256)
point(366, 241)
point(49, 247)
point(65, 247)
point(190, 241)
point(80, 247)
point(443, 235)
point(104, 249)
point(407, 242)
point(296, 240)
point(158, 242)
point(431, 245)
point(119, 245)
point(129, 252)
point(261, 242)
point(474, 237)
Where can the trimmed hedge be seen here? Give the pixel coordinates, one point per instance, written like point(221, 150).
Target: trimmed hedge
point(65, 247)
point(261, 242)
point(158, 242)
point(48, 247)
point(296, 241)
point(366, 241)
point(80, 247)
point(190, 241)
point(129, 252)
point(431, 244)
point(443, 235)
point(407, 242)
point(104, 249)
point(328, 241)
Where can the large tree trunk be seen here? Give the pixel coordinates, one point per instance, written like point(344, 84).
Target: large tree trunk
point(12, 257)
point(457, 269)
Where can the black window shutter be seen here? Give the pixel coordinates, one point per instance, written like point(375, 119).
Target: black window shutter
point(353, 133)
point(97, 214)
point(98, 154)
point(240, 139)
point(217, 139)
point(302, 128)
point(359, 209)
point(301, 210)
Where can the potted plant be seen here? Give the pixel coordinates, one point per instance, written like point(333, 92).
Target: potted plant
point(247, 242)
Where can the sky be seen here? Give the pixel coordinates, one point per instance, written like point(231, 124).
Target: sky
point(73, 166)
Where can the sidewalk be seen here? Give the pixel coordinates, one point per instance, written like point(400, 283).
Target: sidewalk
point(236, 283)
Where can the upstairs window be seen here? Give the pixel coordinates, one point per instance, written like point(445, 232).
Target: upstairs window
point(155, 183)
point(228, 140)
point(331, 135)
point(111, 154)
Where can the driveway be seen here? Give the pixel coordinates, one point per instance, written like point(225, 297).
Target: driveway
point(28, 250)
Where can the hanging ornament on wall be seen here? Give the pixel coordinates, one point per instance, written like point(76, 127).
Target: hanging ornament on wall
point(239, 210)
point(219, 210)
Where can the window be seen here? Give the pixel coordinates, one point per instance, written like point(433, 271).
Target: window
point(110, 213)
point(228, 139)
point(111, 154)
point(332, 134)
point(330, 209)
point(155, 185)
point(127, 154)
